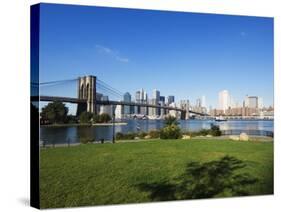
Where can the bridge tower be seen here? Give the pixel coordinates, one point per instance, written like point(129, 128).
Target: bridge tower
point(185, 113)
point(87, 90)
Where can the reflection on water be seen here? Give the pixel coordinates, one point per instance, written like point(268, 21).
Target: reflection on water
point(247, 125)
point(60, 135)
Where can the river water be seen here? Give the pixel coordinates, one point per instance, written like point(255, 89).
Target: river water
point(71, 134)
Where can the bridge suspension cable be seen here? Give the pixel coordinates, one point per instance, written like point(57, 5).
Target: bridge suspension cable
point(107, 90)
point(101, 85)
point(105, 85)
point(57, 82)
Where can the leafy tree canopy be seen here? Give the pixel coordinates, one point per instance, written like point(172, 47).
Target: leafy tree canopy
point(85, 117)
point(55, 112)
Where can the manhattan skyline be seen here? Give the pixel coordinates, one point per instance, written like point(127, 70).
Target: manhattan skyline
point(182, 54)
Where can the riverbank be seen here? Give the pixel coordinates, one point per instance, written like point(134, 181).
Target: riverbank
point(50, 133)
point(112, 173)
point(196, 138)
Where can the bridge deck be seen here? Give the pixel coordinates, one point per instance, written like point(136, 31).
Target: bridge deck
point(110, 102)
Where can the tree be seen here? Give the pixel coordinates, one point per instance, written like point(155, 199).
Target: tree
point(55, 112)
point(171, 129)
point(170, 132)
point(104, 118)
point(85, 117)
point(71, 119)
point(215, 130)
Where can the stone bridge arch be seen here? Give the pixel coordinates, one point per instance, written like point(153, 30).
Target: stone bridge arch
point(87, 90)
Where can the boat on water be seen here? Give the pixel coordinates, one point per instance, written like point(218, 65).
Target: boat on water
point(220, 118)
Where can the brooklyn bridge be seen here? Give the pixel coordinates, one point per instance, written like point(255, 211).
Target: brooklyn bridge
point(87, 97)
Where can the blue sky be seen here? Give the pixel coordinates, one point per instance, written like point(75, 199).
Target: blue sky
point(183, 54)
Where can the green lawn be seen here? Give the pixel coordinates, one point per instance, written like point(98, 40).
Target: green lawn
point(96, 174)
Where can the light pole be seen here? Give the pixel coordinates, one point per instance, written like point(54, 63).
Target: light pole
point(113, 124)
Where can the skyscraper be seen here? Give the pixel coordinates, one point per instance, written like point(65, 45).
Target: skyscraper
point(253, 101)
point(203, 101)
point(156, 95)
point(246, 101)
point(198, 103)
point(127, 98)
point(162, 103)
point(224, 100)
point(105, 108)
point(171, 99)
point(138, 100)
point(119, 112)
point(141, 97)
point(155, 101)
point(162, 99)
point(138, 97)
point(260, 102)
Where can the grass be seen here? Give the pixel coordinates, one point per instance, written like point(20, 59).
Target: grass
point(95, 174)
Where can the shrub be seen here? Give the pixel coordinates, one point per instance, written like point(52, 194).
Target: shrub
point(86, 140)
point(154, 134)
point(102, 118)
point(171, 120)
point(119, 136)
point(215, 130)
point(142, 134)
point(95, 118)
point(128, 136)
point(203, 132)
point(170, 132)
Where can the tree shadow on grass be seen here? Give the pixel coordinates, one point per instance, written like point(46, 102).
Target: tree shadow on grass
point(159, 191)
point(203, 180)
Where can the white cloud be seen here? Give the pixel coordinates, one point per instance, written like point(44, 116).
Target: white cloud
point(113, 53)
point(243, 34)
point(122, 59)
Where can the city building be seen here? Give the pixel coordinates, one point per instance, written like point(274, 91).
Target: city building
point(98, 97)
point(198, 103)
point(150, 109)
point(260, 102)
point(119, 111)
point(141, 97)
point(162, 103)
point(162, 99)
point(162, 111)
point(155, 101)
point(156, 95)
point(105, 108)
point(171, 99)
point(127, 98)
point(203, 101)
point(173, 112)
point(224, 100)
point(143, 110)
point(138, 97)
point(253, 102)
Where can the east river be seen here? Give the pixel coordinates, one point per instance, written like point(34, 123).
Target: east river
point(72, 134)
